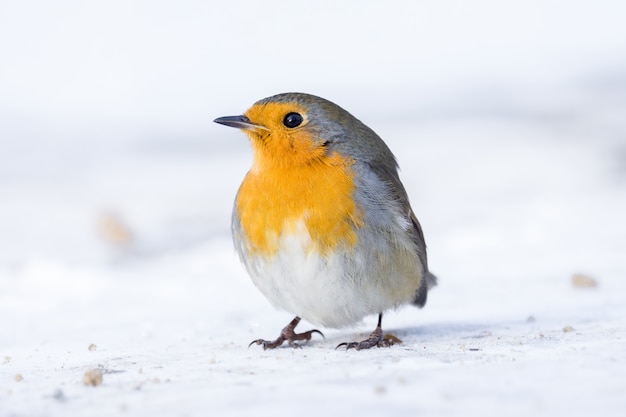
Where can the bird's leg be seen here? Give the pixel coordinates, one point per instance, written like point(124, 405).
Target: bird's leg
point(288, 335)
point(375, 339)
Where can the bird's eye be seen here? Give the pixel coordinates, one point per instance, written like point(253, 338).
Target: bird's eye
point(292, 120)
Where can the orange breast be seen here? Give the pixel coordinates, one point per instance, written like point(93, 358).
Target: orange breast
point(276, 199)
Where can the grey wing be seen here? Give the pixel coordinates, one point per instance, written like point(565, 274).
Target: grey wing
point(428, 279)
point(388, 172)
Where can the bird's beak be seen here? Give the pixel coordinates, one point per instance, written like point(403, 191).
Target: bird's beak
point(240, 122)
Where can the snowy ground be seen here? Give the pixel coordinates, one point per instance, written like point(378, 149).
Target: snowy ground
point(116, 191)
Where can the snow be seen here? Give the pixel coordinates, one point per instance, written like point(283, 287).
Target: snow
point(116, 191)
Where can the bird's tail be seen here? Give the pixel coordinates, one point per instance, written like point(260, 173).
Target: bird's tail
point(428, 281)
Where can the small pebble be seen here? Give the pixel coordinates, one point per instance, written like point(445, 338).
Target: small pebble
point(380, 390)
point(93, 377)
point(59, 396)
point(391, 339)
point(583, 281)
point(113, 230)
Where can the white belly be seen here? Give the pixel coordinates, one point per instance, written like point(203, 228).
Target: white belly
point(337, 289)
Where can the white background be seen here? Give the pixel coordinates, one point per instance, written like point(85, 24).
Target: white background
point(507, 119)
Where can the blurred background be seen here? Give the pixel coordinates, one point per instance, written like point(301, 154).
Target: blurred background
point(507, 119)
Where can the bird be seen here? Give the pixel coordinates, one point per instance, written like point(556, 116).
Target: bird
point(322, 222)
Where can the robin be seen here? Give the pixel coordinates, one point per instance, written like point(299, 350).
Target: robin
point(322, 222)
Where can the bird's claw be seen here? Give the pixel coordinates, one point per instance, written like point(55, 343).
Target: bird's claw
point(288, 335)
point(376, 339)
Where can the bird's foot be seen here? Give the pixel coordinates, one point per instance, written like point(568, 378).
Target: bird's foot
point(376, 339)
point(288, 335)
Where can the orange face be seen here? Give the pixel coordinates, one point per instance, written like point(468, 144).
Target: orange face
point(294, 182)
point(274, 144)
